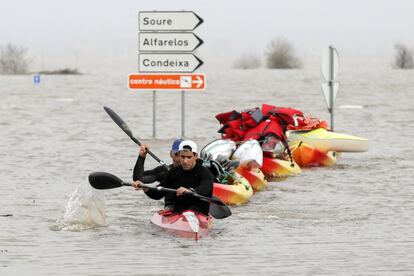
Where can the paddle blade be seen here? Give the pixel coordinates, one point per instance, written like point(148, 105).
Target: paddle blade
point(118, 120)
point(103, 180)
point(219, 211)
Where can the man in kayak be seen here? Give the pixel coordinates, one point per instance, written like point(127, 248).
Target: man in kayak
point(189, 176)
point(159, 172)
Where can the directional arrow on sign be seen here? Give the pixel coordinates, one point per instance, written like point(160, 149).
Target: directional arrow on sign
point(199, 81)
point(168, 63)
point(168, 42)
point(168, 21)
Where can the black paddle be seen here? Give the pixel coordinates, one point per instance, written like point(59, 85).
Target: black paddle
point(121, 123)
point(103, 181)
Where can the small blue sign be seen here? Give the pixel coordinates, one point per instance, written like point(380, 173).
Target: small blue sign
point(36, 79)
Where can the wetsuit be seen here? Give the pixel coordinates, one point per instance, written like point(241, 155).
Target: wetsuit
point(151, 176)
point(198, 179)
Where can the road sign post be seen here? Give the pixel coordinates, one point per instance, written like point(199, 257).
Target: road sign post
point(182, 113)
point(331, 79)
point(330, 67)
point(166, 60)
point(154, 113)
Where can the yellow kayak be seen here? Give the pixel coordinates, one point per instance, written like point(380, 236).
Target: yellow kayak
point(277, 168)
point(325, 140)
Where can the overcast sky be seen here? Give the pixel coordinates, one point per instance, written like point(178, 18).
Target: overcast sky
point(90, 34)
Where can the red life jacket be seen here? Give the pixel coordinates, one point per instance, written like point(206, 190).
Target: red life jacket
point(264, 129)
point(228, 116)
point(285, 115)
point(293, 118)
point(234, 130)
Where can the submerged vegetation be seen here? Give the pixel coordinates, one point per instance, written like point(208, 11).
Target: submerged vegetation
point(247, 61)
point(403, 58)
point(14, 60)
point(281, 54)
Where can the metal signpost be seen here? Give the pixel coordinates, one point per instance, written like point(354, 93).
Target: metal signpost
point(166, 60)
point(330, 66)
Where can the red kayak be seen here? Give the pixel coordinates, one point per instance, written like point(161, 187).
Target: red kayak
point(188, 224)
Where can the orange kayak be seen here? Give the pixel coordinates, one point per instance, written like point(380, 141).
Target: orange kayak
point(307, 156)
point(188, 224)
point(255, 177)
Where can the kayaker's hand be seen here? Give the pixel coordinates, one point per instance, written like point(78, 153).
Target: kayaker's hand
point(143, 150)
point(137, 186)
point(182, 190)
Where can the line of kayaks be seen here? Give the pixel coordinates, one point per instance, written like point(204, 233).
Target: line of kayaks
point(318, 147)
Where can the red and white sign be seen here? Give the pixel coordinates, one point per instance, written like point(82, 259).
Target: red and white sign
point(167, 82)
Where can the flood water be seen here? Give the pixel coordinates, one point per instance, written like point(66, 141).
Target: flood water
point(355, 218)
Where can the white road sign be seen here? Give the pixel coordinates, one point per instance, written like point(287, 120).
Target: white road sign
point(168, 63)
point(168, 21)
point(168, 42)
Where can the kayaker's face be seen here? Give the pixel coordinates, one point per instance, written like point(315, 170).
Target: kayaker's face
point(175, 158)
point(188, 159)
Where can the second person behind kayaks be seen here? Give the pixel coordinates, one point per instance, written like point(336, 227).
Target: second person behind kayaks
point(158, 173)
point(189, 176)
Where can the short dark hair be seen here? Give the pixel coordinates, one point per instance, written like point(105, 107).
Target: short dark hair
point(187, 147)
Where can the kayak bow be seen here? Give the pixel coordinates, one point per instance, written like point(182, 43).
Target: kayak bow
point(188, 224)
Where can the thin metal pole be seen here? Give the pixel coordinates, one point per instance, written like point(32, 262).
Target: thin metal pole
point(182, 113)
point(154, 113)
point(331, 85)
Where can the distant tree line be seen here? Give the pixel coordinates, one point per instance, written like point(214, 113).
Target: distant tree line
point(281, 54)
point(14, 60)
